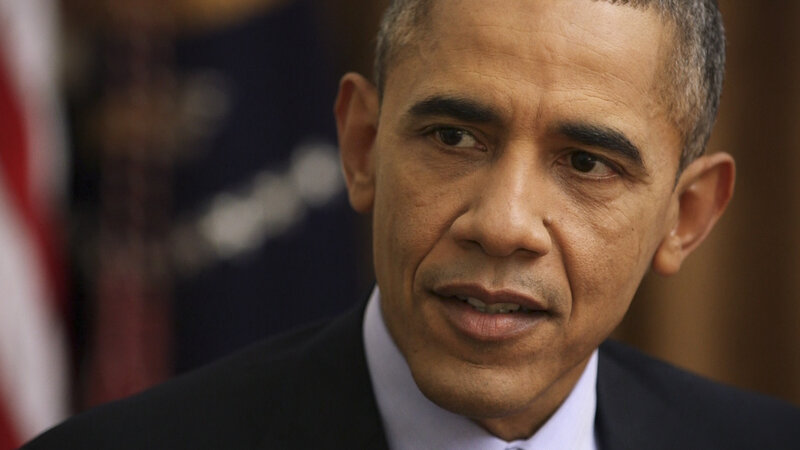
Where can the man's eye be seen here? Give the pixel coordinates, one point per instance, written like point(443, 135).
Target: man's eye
point(590, 164)
point(456, 137)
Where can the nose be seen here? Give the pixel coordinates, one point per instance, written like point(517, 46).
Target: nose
point(507, 211)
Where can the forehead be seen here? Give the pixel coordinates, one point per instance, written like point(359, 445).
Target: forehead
point(531, 59)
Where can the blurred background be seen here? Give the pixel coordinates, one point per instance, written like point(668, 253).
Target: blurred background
point(170, 192)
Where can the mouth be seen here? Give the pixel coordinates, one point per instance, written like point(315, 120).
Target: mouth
point(490, 315)
point(494, 308)
point(491, 301)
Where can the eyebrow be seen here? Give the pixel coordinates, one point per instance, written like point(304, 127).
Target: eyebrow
point(602, 137)
point(459, 108)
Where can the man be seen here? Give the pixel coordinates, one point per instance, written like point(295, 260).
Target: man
point(524, 162)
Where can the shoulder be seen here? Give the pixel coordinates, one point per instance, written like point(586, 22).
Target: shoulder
point(256, 398)
point(654, 401)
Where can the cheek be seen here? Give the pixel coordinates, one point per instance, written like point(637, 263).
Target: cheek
point(606, 255)
point(410, 216)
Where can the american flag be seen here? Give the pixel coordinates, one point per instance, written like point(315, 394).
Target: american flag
point(33, 359)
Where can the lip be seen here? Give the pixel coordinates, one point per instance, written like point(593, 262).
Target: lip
point(489, 296)
point(487, 327)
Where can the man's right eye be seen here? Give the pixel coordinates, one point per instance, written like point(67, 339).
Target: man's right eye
point(456, 137)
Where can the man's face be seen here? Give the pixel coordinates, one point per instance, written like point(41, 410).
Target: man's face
point(522, 161)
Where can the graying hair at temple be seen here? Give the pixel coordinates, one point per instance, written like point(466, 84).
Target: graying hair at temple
point(694, 71)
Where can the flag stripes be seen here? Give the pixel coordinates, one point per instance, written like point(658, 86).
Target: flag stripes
point(33, 363)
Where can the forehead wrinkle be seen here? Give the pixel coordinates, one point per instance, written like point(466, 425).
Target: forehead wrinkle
point(537, 52)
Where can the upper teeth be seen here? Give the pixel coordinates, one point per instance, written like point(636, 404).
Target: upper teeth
point(494, 308)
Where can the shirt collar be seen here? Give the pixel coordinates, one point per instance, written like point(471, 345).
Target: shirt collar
point(412, 421)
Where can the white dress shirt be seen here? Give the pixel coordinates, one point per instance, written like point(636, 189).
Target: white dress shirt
point(412, 422)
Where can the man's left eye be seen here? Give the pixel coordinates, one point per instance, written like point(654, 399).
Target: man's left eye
point(590, 164)
point(456, 137)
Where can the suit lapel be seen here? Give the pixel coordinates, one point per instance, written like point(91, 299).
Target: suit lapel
point(330, 394)
point(635, 405)
point(626, 410)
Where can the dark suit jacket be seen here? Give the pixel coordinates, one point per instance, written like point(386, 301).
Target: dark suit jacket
point(311, 390)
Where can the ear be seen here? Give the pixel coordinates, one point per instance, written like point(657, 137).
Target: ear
point(703, 191)
point(356, 112)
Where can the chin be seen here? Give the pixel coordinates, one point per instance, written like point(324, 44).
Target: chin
point(475, 392)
